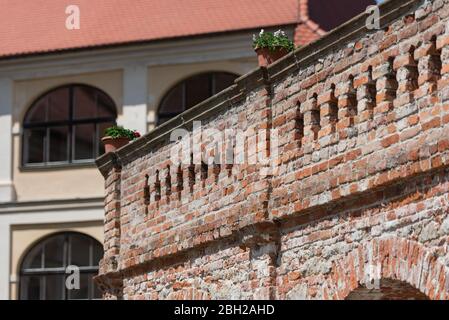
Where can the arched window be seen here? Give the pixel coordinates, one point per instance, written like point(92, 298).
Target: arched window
point(65, 126)
point(43, 270)
point(192, 91)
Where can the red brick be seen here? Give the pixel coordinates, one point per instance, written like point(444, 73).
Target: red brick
point(359, 189)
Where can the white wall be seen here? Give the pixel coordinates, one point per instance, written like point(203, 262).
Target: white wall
point(6, 102)
point(134, 98)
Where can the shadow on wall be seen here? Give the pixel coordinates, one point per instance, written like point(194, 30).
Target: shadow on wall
point(331, 13)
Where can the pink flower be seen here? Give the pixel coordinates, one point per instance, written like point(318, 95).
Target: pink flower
point(136, 134)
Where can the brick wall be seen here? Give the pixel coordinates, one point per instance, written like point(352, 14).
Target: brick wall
point(358, 190)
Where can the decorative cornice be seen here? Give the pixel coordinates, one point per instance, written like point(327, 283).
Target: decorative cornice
point(191, 50)
point(51, 205)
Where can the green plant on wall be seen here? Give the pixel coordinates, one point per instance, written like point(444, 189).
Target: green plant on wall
point(116, 132)
point(273, 41)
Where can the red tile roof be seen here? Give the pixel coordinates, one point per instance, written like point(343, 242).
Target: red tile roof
point(36, 26)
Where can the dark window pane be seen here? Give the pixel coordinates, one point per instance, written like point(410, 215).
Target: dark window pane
point(38, 112)
point(58, 105)
point(35, 145)
point(84, 106)
point(84, 147)
point(223, 80)
point(198, 88)
point(79, 250)
point(83, 291)
point(102, 127)
point(173, 102)
point(163, 119)
point(192, 91)
point(94, 291)
point(67, 133)
point(54, 287)
point(105, 106)
point(30, 287)
point(54, 252)
point(97, 254)
point(34, 258)
point(58, 144)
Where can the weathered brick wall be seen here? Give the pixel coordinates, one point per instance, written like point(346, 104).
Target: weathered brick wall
point(359, 188)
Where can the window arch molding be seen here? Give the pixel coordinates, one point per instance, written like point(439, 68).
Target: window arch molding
point(42, 267)
point(64, 125)
point(191, 90)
